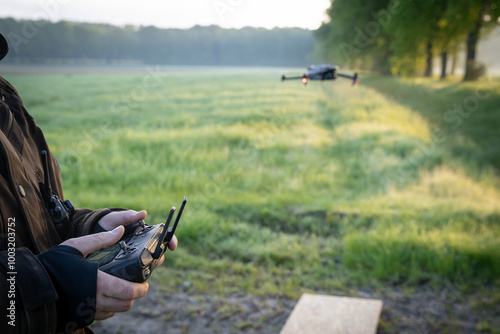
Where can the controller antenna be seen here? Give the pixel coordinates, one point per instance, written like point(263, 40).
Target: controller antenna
point(161, 239)
point(171, 230)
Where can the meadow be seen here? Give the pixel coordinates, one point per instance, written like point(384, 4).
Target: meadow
point(323, 188)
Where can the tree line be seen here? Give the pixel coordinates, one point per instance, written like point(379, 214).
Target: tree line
point(405, 37)
point(63, 41)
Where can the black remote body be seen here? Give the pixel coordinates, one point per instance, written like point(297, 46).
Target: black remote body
point(135, 257)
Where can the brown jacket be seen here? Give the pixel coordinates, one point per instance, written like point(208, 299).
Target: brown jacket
point(26, 225)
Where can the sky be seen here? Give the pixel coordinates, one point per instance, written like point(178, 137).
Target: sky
point(307, 14)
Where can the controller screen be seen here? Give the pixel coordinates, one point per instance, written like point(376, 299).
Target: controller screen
point(104, 255)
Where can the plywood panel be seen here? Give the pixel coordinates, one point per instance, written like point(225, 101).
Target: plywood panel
point(330, 314)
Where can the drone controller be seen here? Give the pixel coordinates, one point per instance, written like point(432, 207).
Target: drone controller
point(135, 257)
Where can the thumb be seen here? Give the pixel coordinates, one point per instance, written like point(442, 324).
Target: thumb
point(113, 219)
point(94, 242)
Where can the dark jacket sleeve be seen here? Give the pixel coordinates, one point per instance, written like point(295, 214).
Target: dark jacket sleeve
point(54, 291)
point(75, 280)
point(85, 220)
point(28, 296)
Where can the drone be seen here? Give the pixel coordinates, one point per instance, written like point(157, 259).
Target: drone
point(322, 72)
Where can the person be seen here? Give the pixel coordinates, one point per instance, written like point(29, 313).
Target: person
point(46, 284)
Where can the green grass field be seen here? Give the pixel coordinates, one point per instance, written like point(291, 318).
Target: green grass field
point(290, 188)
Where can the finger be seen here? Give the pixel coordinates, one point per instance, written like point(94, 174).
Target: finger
point(128, 217)
point(160, 261)
point(94, 242)
point(108, 305)
point(99, 315)
point(172, 244)
point(114, 287)
point(132, 217)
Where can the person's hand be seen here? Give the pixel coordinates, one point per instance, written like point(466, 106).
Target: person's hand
point(125, 218)
point(129, 217)
point(113, 294)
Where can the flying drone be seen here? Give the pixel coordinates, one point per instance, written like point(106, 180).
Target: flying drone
point(322, 72)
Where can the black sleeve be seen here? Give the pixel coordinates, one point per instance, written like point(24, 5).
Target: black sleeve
point(75, 280)
point(85, 220)
point(28, 296)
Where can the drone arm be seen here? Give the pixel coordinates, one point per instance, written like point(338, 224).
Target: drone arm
point(284, 77)
point(354, 77)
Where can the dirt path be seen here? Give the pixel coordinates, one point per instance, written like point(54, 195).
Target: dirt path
point(421, 311)
point(183, 313)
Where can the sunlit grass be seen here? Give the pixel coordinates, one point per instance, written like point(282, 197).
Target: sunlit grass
point(290, 188)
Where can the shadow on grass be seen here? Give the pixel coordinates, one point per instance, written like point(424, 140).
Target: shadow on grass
point(464, 117)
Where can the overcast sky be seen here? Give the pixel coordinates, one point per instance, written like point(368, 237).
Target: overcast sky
point(175, 13)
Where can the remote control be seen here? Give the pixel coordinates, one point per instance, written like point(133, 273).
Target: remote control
point(135, 257)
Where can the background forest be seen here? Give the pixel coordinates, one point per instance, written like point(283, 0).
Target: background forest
point(66, 42)
point(386, 36)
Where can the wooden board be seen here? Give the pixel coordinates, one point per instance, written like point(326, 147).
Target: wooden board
point(330, 314)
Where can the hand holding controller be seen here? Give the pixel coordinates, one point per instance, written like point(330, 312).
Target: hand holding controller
point(135, 257)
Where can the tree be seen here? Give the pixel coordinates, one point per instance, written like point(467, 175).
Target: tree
point(415, 32)
point(412, 33)
point(355, 35)
point(425, 27)
point(476, 17)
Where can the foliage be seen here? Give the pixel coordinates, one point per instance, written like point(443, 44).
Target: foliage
point(401, 34)
point(355, 36)
point(71, 42)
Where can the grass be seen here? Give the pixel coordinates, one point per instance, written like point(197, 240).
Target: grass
point(290, 189)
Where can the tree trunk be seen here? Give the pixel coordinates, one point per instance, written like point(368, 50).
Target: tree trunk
point(471, 44)
point(444, 63)
point(454, 62)
point(428, 62)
